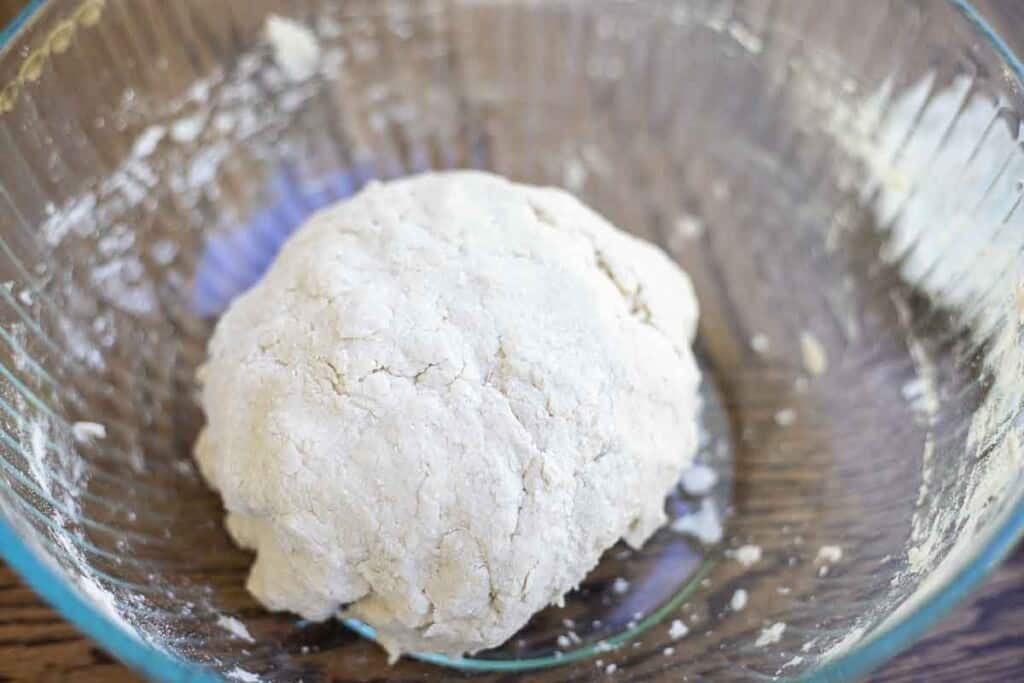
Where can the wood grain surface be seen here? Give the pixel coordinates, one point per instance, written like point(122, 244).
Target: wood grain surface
point(982, 641)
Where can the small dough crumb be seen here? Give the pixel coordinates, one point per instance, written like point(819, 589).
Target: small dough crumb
point(188, 128)
point(705, 524)
point(739, 600)
point(235, 628)
point(829, 554)
point(813, 351)
point(760, 343)
point(620, 586)
point(747, 555)
point(296, 48)
point(785, 417)
point(678, 630)
point(771, 634)
point(87, 432)
point(698, 480)
point(690, 227)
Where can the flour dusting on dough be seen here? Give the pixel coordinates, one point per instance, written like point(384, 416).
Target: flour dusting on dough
point(509, 378)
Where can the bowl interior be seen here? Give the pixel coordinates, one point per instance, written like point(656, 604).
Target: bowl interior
point(842, 182)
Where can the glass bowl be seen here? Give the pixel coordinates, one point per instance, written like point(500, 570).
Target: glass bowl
point(843, 182)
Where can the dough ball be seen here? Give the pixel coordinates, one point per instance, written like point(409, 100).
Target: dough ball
point(445, 400)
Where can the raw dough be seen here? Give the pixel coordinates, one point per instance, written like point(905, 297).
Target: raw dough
point(447, 397)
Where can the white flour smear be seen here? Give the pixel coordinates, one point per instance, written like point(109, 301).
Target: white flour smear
point(180, 151)
point(947, 196)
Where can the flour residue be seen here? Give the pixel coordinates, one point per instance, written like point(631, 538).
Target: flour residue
point(770, 634)
point(88, 432)
point(829, 554)
point(815, 356)
point(296, 48)
point(738, 600)
point(678, 630)
point(235, 628)
point(747, 555)
point(698, 479)
point(785, 417)
point(180, 148)
point(147, 141)
point(947, 196)
point(104, 600)
point(60, 474)
point(182, 151)
point(760, 343)
point(705, 524)
point(240, 674)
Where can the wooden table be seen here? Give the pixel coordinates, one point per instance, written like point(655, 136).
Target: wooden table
point(981, 642)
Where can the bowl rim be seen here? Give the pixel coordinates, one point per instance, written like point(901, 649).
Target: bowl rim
point(879, 646)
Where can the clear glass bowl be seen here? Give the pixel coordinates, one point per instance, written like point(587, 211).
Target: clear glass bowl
point(842, 181)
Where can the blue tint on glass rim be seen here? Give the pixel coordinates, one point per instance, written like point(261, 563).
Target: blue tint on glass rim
point(7, 32)
point(258, 241)
point(55, 589)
